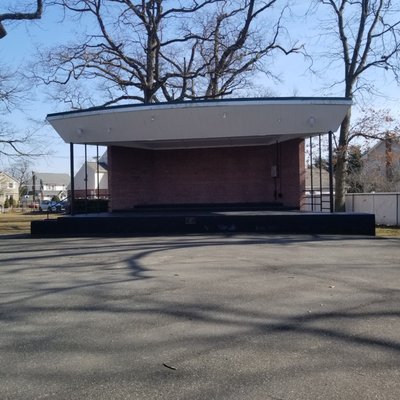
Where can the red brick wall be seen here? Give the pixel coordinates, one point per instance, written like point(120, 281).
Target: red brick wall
point(292, 172)
point(217, 175)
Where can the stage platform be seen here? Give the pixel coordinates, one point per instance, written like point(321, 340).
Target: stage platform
point(165, 222)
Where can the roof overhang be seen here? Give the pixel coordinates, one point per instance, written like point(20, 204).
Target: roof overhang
point(234, 122)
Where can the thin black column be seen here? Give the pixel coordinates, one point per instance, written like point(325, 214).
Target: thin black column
point(86, 174)
point(320, 173)
point(86, 179)
point(331, 205)
point(72, 199)
point(34, 189)
point(98, 172)
point(311, 175)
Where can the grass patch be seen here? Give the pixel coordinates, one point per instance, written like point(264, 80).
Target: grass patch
point(393, 231)
point(17, 222)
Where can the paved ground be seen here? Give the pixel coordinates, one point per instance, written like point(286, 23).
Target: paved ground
point(200, 317)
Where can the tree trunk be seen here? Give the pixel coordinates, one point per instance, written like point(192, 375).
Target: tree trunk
point(341, 164)
point(150, 68)
point(389, 158)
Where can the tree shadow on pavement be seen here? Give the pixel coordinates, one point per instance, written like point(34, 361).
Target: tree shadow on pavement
point(253, 313)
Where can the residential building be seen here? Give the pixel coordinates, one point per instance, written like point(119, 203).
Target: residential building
point(46, 185)
point(381, 166)
point(9, 188)
point(96, 183)
point(317, 195)
point(317, 180)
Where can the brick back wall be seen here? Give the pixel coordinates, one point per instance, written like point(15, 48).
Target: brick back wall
point(129, 177)
point(216, 175)
point(292, 172)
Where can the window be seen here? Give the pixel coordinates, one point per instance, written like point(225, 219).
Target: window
point(11, 185)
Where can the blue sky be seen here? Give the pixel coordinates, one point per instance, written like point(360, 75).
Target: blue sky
point(17, 49)
point(23, 39)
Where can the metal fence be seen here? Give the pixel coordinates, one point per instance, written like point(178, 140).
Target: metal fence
point(385, 206)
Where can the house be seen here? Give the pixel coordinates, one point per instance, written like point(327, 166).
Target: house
point(317, 190)
point(236, 151)
point(96, 183)
point(46, 185)
point(381, 166)
point(9, 188)
point(317, 180)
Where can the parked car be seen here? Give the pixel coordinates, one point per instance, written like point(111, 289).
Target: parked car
point(59, 206)
point(53, 206)
point(45, 205)
point(33, 205)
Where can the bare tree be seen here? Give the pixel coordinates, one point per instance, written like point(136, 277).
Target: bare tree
point(373, 152)
point(16, 15)
point(369, 38)
point(21, 171)
point(237, 45)
point(374, 124)
point(371, 128)
point(12, 92)
point(14, 144)
point(381, 166)
point(152, 51)
point(10, 89)
point(381, 134)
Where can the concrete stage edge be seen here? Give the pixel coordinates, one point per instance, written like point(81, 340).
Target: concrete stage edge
point(192, 222)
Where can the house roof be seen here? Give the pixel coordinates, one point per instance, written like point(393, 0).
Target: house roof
point(93, 165)
point(194, 124)
point(8, 176)
point(380, 146)
point(49, 178)
point(104, 159)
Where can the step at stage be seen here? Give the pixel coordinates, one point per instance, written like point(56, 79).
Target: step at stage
point(164, 222)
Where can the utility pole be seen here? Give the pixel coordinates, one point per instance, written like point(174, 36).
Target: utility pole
point(34, 188)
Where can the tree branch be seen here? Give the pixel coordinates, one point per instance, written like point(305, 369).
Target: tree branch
point(18, 16)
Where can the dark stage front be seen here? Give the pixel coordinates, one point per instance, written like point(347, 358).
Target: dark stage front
point(204, 222)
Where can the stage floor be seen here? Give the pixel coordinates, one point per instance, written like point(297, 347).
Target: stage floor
point(191, 222)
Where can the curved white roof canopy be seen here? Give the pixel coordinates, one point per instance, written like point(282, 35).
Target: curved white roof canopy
point(234, 122)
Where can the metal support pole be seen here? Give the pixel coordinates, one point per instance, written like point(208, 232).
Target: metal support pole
point(320, 173)
point(98, 172)
point(34, 189)
point(86, 174)
point(274, 172)
point(331, 204)
point(72, 199)
point(98, 178)
point(86, 179)
point(311, 176)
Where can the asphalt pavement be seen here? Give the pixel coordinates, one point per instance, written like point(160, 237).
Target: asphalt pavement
point(200, 317)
